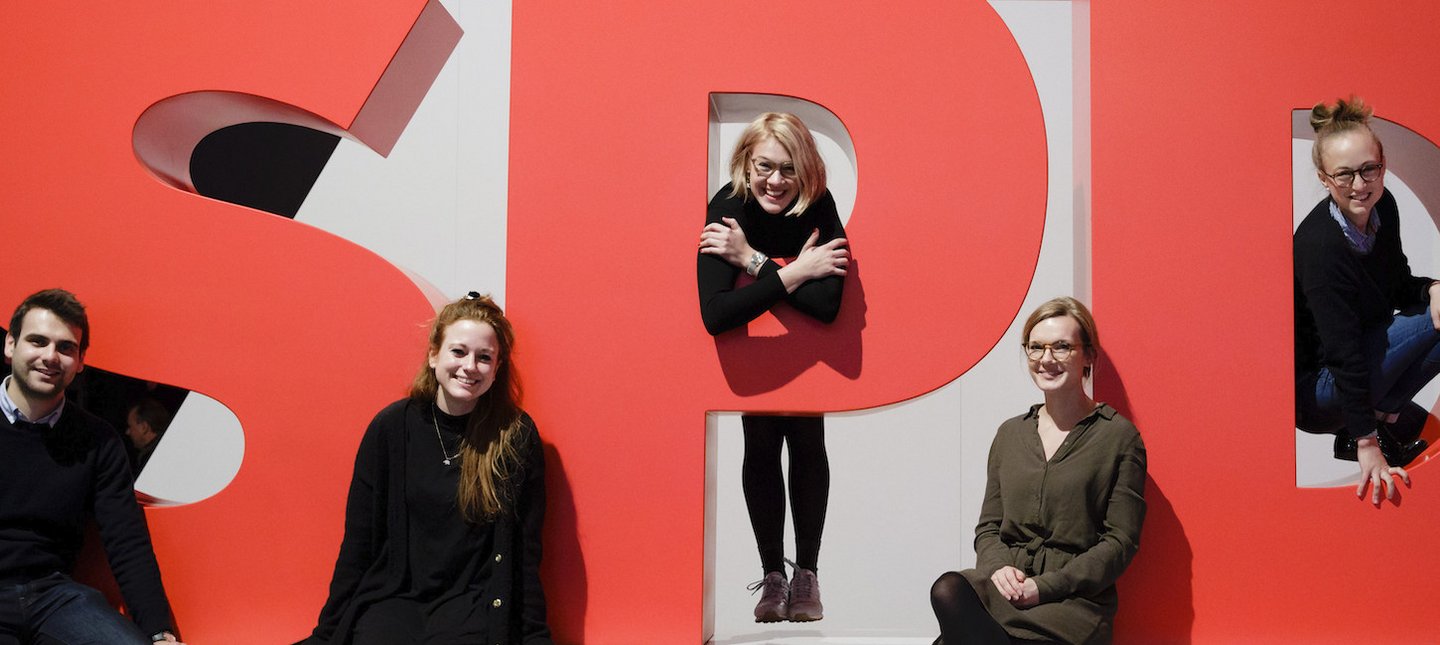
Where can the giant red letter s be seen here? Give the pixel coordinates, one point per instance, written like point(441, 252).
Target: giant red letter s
point(301, 334)
point(607, 199)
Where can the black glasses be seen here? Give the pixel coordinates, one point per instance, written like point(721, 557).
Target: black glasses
point(1036, 351)
point(764, 168)
point(1367, 173)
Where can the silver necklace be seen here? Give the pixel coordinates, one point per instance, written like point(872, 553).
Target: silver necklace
point(443, 451)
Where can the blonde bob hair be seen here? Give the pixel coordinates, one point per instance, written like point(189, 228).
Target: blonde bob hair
point(790, 132)
point(490, 445)
point(1076, 310)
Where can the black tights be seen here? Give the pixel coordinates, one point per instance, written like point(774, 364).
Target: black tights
point(963, 618)
point(764, 485)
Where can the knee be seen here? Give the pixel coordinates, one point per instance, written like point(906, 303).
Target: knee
point(947, 588)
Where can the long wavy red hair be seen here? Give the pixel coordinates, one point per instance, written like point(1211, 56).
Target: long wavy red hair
point(490, 447)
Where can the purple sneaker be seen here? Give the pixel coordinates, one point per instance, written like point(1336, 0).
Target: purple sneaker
point(774, 597)
point(805, 597)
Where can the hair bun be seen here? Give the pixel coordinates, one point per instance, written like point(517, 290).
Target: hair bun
point(1345, 112)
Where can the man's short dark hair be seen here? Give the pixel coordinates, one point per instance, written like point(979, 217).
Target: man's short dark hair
point(153, 414)
point(60, 302)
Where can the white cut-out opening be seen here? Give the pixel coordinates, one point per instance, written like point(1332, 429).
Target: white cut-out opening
point(730, 113)
point(198, 456)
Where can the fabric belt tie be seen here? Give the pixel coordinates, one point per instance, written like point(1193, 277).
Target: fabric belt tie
point(1034, 557)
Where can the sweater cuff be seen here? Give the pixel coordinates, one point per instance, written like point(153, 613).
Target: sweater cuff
point(1046, 587)
point(768, 268)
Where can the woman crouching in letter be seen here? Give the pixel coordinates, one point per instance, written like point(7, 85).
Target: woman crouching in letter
point(442, 526)
point(1365, 326)
point(1064, 501)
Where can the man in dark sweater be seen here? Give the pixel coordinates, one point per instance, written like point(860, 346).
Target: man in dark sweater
point(60, 467)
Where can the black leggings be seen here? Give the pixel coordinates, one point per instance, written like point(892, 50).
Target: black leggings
point(963, 617)
point(764, 485)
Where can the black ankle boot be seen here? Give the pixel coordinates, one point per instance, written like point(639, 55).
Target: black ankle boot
point(1396, 452)
point(1345, 447)
point(1409, 422)
point(1399, 452)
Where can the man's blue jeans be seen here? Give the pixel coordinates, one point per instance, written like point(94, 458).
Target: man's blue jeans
point(1403, 358)
point(56, 609)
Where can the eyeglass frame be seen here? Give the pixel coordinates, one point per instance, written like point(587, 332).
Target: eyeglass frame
point(1377, 167)
point(794, 173)
point(1050, 347)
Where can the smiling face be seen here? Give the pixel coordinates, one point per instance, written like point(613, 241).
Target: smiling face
point(1049, 373)
point(774, 192)
point(1349, 152)
point(45, 356)
point(465, 365)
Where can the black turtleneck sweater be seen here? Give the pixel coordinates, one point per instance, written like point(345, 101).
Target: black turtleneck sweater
point(723, 306)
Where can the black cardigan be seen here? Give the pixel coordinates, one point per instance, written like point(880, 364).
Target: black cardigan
point(1340, 293)
point(372, 562)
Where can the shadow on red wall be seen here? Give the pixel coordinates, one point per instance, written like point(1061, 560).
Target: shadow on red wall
point(755, 364)
point(1158, 584)
point(564, 561)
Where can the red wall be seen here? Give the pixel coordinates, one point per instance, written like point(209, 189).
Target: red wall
point(1192, 278)
point(1191, 256)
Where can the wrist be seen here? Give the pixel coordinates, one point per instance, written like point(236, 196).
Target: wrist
point(161, 636)
point(757, 260)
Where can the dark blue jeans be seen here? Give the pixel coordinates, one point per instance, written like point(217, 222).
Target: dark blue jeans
point(1403, 358)
point(56, 609)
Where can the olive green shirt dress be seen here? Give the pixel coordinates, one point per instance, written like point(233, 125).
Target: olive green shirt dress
point(1072, 524)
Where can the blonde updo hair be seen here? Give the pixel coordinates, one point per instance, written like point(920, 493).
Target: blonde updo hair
point(790, 132)
point(1345, 116)
point(1076, 310)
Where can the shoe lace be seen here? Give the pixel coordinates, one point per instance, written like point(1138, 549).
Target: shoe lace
point(765, 583)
